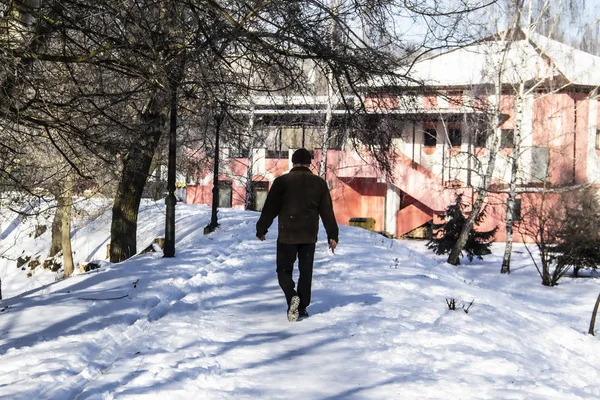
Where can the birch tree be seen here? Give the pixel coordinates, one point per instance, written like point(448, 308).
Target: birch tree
point(492, 145)
point(523, 13)
point(519, 13)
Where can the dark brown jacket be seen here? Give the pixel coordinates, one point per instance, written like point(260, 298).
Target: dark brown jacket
point(298, 198)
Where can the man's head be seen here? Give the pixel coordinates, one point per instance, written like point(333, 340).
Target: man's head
point(301, 157)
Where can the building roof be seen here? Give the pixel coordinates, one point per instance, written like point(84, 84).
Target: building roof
point(528, 58)
point(578, 67)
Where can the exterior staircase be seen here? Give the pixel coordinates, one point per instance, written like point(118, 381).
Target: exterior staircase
point(410, 218)
point(427, 190)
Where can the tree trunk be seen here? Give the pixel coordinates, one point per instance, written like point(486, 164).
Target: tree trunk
point(593, 321)
point(56, 245)
point(544, 249)
point(454, 257)
point(67, 203)
point(514, 169)
point(494, 145)
point(326, 131)
point(331, 93)
point(505, 269)
point(136, 167)
point(546, 281)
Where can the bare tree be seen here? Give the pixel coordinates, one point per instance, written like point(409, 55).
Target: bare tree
point(114, 63)
point(67, 206)
point(551, 215)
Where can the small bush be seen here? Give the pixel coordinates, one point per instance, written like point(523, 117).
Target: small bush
point(578, 237)
point(564, 226)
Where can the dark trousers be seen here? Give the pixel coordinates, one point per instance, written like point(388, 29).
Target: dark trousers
point(286, 256)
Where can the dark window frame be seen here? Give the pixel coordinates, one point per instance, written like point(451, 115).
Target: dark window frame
point(429, 137)
point(481, 137)
point(238, 152)
point(270, 154)
point(455, 135)
point(479, 130)
point(225, 185)
point(507, 138)
point(517, 210)
point(258, 186)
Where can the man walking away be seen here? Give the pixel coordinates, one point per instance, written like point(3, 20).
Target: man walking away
point(298, 198)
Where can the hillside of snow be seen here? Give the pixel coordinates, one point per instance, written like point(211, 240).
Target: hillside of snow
point(211, 322)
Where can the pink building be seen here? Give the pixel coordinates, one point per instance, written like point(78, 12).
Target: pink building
point(440, 133)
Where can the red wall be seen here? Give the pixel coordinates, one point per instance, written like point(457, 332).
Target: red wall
point(582, 141)
point(553, 128)
point(359, 197)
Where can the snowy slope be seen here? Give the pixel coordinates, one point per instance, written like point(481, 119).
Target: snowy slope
point(210, 323)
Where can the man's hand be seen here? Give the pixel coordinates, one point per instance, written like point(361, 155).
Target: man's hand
point(261, 237)
point(332, 245)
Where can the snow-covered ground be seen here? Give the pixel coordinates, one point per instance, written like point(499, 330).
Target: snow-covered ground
point(211, 322)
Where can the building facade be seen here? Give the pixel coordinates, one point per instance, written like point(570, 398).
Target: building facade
point(538, 97)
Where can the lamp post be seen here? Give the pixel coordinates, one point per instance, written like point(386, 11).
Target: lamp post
point(214, 221)
point(171, 200)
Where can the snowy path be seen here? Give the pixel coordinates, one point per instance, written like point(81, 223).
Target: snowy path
point(211, 324)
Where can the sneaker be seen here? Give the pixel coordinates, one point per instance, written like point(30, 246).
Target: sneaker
point(292, 313)
point(302, 313)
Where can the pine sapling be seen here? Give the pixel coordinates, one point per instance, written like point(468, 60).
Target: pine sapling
point(446, 233)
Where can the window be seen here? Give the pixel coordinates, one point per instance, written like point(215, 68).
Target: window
point(238, 152)
point(455, 135)
point(455, 98)
point(312, 137)
point(597, 139)
point(372, 122)
point(430, 137)
point(507, 138)
point(276, 154)
point(540, 158)
point(269, 137)
point(260, 190)
point(481, 137)
point(517, 210)
point(382, 128)
point(292, 137)
point(477, 126)
point(338, 139)
point(225, 194)
point(392, 125)
point(236, 142)
point(297, 136)
point(340, 131)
